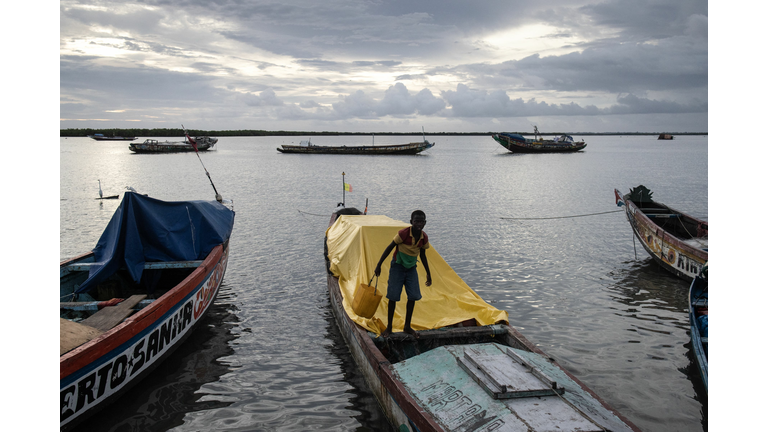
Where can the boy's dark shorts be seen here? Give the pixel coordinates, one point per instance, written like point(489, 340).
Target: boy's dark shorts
point(399, 276)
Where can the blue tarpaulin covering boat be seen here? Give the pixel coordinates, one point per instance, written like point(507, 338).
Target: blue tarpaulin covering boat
point(145, 229)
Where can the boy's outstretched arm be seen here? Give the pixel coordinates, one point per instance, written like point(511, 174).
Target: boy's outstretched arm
point(387, 251)
point(423, 256)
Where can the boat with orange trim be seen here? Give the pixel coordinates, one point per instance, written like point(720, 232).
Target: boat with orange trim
point(129, 303)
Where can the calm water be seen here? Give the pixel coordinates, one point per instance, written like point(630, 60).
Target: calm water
point(270, 356)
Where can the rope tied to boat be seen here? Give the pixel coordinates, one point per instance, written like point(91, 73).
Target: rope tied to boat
point(563, 217)
point(312, 214)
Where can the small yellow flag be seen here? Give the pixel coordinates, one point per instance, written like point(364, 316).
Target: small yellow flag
point(347, 187)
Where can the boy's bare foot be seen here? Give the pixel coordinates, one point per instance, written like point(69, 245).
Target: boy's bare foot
point(411, 332)
point(386, 333)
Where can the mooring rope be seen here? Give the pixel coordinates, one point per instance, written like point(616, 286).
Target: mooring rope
point(563, 217)
point(313, 214)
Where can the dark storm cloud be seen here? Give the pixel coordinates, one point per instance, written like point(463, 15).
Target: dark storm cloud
point(653, 19)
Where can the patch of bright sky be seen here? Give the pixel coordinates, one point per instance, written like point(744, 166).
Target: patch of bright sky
point(521, 42)
point(100, 47)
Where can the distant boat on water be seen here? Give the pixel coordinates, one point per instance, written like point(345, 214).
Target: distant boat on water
point(666, 137)
point(402, 149)
point(517, 143)
point(154, 146)
point(102, 137)
point(306, 147)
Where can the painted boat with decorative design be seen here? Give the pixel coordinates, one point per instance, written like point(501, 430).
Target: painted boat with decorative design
point(462, 376)
point(677, 241)
point(128, 304)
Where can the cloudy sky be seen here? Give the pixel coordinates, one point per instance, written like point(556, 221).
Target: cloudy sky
point(385, 65)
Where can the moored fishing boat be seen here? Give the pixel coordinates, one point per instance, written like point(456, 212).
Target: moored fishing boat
point(306, 147)
point(128, 304)
point(468, 369)
point(102, 137)
point(698, 312)
point(677, 241)
point(154, 146)
point(517, 143)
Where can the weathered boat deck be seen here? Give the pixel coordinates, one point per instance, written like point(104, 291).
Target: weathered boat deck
point(446, 382)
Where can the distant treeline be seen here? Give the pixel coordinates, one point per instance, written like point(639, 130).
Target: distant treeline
point(250, 132)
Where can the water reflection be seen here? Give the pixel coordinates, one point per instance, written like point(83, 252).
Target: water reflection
point(692, 370)
point(162, 399)
point(361, 398)
point(653, 305)
point(645, 284)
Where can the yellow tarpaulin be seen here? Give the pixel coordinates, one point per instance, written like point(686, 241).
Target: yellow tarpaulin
point(355, 245)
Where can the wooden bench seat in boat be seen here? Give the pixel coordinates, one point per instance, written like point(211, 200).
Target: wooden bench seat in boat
point(663, 215)
point(73, 334)
point(111, 316)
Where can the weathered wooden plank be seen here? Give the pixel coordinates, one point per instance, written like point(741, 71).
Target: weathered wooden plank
point(93, 306)
point(447, 333)
point(550, 413)
point(111, 316)
point(72, 335)
point(549, 382)
point(663, 215)
point(86, 266)
point(503, 377)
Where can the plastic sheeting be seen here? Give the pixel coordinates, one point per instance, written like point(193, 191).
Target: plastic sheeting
point(355, 245)
point(145, 229)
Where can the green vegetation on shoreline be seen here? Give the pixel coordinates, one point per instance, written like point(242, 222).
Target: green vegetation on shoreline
point(196, 132)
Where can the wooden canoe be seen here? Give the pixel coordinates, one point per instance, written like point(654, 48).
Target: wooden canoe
point(516, 143)
point(675, 240)
point(698, 311)
point(466, 377)
point(115, 334)
point(398, 149)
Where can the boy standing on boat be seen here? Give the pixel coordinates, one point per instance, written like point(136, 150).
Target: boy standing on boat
point(409, 244)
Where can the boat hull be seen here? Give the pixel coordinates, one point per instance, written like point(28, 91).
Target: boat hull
point(542, 147)
point(154, 146)
point(96, 373)
point(114, 138)
point(698, 298)
point(404, 149)
point(453, 407)
point(670, 252)
point(165, 148)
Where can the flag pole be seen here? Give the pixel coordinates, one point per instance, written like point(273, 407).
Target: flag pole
point(343, 190)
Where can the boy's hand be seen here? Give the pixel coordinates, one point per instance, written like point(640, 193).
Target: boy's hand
point(377, 271)
point(429, 281)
